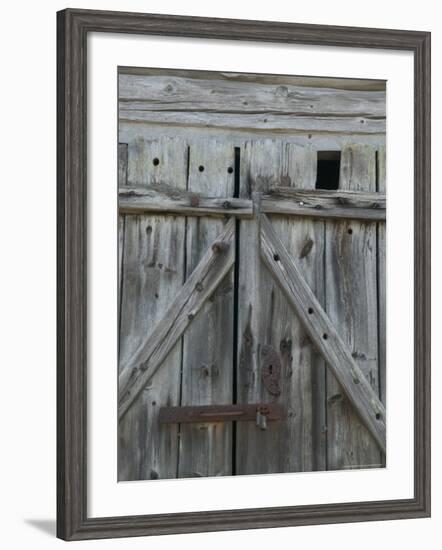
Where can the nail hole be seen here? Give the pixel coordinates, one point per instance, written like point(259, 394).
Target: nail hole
point(325, 336)
point(276, 257)
point(378, 416)
point(356, 380)
point(149, 229)
point(156, 161)
point(201, 168)
point(350, 231)
point(230, 170)
point(310, 310)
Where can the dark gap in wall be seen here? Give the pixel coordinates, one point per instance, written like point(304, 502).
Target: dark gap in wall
point(182, 337)
point(124, 147)
point(235, 304)
point(328, 168)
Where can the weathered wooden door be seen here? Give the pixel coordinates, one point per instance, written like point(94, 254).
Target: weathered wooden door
point(241, 283)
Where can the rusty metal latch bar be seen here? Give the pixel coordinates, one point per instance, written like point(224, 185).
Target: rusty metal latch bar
point(261, 413)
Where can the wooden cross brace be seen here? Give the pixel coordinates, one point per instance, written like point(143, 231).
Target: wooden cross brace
point(204, 280)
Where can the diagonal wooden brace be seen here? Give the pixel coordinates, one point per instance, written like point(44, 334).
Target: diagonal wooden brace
point(203, 281)
point(322, 332)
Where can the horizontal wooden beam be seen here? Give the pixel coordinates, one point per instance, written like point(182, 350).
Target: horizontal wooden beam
point(146, 359)
point(321, 82)
point(164, 199)
point(320, 203)
point(281, 200)
point(263, 122)
point(322, 332)
point(237, 94)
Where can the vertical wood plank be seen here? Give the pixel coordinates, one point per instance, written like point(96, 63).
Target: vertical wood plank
point(351, 303)
point(153, 272)
point(382, 281)
point(261, 166)
point(207, 374)
point(122, 180)
point(304, 238)
point(265, 319)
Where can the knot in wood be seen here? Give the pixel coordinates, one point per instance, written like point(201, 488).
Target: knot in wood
point(282, 91)
point(306, 249)
point(220, 247)
point(286, 345)
point(143, 366)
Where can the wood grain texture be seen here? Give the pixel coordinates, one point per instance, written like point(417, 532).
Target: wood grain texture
point(165, 93)
point(280, 200)
point(207, 375)
point(323, 333)
point(152, 351)
point(122, 181)
point(265, 319)
point(165, 199)
point(324, 204)
point(73, 522)
point(266, 121)
point(304, 387)
point(260, 166)
point(356, 84)
point(351, 304)
point(153, 271)
point(322, 141)
point(382, 280)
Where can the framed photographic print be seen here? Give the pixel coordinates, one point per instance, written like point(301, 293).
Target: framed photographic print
point(243, 274)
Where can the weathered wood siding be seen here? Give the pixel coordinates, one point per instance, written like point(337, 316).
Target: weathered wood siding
point(188, 141)
point(351, 303)
point(206, 449)
point(382, 280)
point(265, 319)
point(189, 101)
point(153, 271)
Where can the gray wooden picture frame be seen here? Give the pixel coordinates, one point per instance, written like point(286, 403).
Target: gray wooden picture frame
point(73, 27)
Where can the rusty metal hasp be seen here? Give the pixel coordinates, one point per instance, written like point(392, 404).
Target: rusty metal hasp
point(261, 413)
